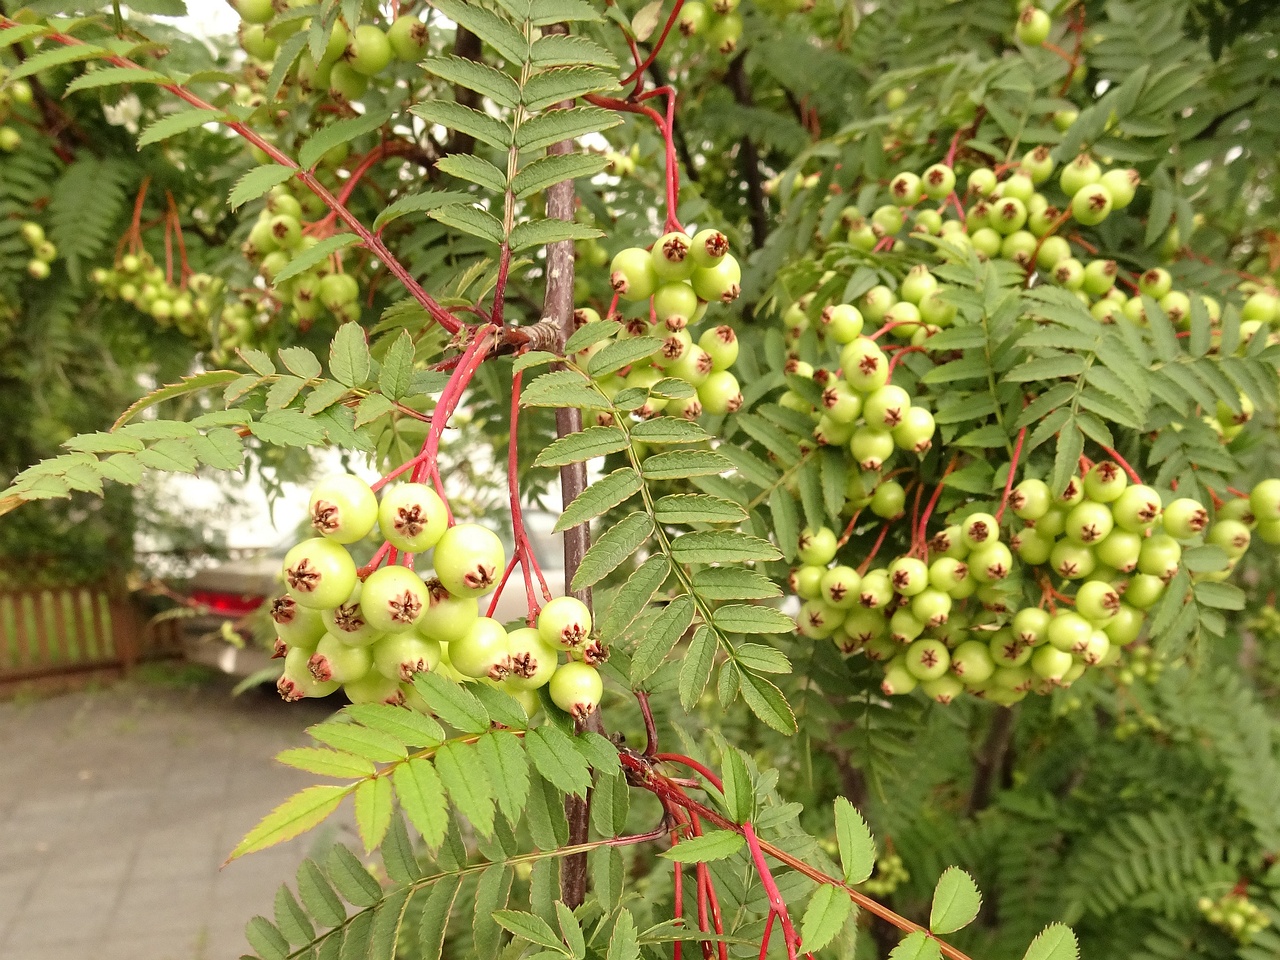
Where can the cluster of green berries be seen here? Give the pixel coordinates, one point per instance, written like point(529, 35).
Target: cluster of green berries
point(15, 94)
point(677, 280)
point(137, 280)
point(276, 238)
point(1236, 914)
point(716, 23)
point(950, 621)
point(890, 873)
point(352, 57)
point(372, 635)
point(43, 251)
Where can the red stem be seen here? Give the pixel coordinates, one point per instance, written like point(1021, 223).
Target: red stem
point(933, 500)
point(693, 765)
point(866, 564)
point(1013, 467)
point(776, 904)
point(637, 74)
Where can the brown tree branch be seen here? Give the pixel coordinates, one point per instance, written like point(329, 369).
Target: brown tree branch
point(466, 45)
point(558, 308)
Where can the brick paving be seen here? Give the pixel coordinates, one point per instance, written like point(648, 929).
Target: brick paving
point(118, 806)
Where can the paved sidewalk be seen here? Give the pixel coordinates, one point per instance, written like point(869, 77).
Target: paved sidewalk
point(117, 807)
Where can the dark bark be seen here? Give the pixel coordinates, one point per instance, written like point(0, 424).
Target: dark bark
point(749, 155)
point(992, 763)
point(558, 308)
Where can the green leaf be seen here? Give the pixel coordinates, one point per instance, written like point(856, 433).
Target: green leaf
point(584, 445)
point(661, 636)
point(113, 76)
point(633, 596)
point(502, 754)
point(257, 182)
point(558, 51)
point(419, 203)
point(397, 853)
point(488, 26)
point(1221, 596)
point(16, 34)
point(284, 391)
point(470, 220)
point(176, 123)
point(857, 848)
point(557, 761)
point(371, 408)
point(956, 901)
point(288, 428)
point(572, 931)
point(539, 233)
point(695, 671)
point(300, 813)
point(603, 495)
point(191, 384)
point(363, 742)
point(314, 255)
point(613, 547)
point(682, 464)
point(1055, 942)
point(349, 876)
point(722, 546)
point(54, 56)
point(542, 173)
point(349, 355)
point(739, 789)
point(828, 911)
point(563, 388)
point(751, 618)
point(697, 508)
point(422, 799)
point(301, 362)
point(916, 945)
point(373, 811)
point(621, 353)
point(468, 785)
point(454, 116)
point(451, 703)
point(767, 702)
point(474, 170)
point(435, 917)
point(477, 76)
point(291, 918)
point(269, 942)
point(711, 846)
point(531, 928)
point(318, 896)
point(534, 358)
point(397, 367)
point(501, 706)
point(408, 726)
point(734, 583)
point(338, 133)
point(1048, 368)
point(104, 443)
point(327, 763)
point(623, 942)
point(662, 430)
point(590, 333)
point(556, 125)
point(553, 86)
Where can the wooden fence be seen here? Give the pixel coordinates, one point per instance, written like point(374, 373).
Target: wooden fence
point(68, 632)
